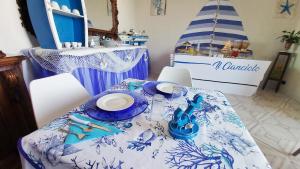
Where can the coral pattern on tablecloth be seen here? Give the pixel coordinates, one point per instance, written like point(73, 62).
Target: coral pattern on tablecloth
point(222, 142)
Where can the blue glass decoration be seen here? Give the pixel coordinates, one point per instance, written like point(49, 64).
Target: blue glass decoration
point(183, 125)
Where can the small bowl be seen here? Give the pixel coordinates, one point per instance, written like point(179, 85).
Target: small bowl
point(55, 5)
point(67, 45)
point(76, 12)
point(65, 8)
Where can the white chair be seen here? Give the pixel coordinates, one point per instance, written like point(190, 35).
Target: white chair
point(176, 75)
point(56, 95)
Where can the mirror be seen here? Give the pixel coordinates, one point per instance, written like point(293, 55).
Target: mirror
point(108, 28)
point(99, 14)
point(103, 18)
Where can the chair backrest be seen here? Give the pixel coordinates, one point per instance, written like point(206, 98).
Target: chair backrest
point(56, 95)
point(176, 75)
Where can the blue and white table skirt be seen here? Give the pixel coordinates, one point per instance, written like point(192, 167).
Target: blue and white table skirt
point(223, 141)
point(96, 68)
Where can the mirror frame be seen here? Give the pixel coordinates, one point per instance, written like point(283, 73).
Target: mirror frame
point(113, 32)
point(24, 16)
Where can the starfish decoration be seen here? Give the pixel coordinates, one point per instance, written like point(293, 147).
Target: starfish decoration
point(286, 7)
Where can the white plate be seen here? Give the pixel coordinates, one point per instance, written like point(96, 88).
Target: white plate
point(115, 102)
point(166, 87)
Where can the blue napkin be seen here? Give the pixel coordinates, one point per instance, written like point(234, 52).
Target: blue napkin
point(134, 85)
point(95, 133)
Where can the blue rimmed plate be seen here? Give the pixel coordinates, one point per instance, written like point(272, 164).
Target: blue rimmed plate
point(151, 89)
point(139, 106)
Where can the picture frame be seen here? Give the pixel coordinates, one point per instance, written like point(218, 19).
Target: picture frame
point(158, 7)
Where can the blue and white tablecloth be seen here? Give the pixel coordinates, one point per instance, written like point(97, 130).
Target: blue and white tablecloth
point(223, 141)
point(96, 68)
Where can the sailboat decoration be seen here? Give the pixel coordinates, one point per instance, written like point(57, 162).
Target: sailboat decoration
point(216, 24)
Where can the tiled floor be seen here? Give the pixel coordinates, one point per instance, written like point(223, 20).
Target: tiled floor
point(274, 122)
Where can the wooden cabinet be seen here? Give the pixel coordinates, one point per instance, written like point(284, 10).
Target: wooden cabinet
point(16, 113)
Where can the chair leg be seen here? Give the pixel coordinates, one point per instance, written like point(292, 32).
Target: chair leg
point(296, 152)
point(265, 84)
point(277, 86)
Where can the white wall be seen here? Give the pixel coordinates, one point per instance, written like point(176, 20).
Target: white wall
point(164, 31)
point(127, 14)
point(258, 18)
point(13, 36)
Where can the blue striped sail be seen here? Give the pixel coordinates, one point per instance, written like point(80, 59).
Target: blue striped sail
point(216, 23)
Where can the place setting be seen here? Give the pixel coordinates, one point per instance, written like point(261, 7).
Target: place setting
point(81, 128)
point(168, 89)
point(120, 105)
point(117, 105)
point(109, 106)
point(123, 104)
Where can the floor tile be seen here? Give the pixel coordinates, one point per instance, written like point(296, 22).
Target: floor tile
point(277, 159)
point(273, 120)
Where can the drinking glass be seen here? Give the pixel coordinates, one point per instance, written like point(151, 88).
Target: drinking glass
point(158, 107)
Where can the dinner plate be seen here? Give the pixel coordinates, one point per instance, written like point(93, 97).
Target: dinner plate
point(167, 88)
point(139, 106)
point(115, 102)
